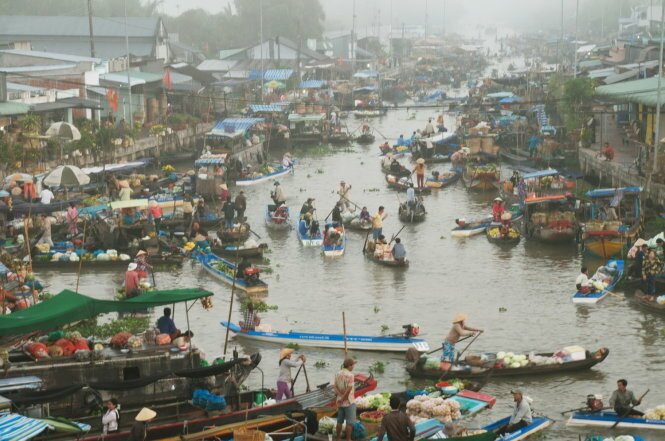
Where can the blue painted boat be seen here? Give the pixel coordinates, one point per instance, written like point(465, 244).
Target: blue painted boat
point(472, 228)
point(538, 424)
point(305, 238)
point(278, 170)
point(335, 248)
point(333, 341)
point(607, 418)
point(442, 180)
point(597, 296)
point(277, 221)
point(225, 270)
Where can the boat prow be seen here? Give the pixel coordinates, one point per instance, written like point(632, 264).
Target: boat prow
point(607, 418)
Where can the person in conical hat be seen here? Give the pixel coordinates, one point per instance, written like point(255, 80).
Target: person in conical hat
point(284, 379)
point(139, 430)
point(457, 331)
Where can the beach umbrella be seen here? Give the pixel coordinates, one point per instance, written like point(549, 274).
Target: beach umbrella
point(66, 176)
point(274, 84)
point(18, 177)
point(63, 130)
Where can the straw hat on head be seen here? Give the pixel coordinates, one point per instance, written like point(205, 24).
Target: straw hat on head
point(153, 177)
point(420, 161)
point(459, 317)
point(145, 415)
point(498, 199)
point(141, 253)
point(285, 352)
point(223, 186)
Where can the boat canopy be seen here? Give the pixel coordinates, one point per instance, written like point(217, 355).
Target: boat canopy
point(443, 138)
point(234, 127)
point(114, 168)
point(296, 117)
point(540, 174)
point(69, 307)
point(214, 160)
point(312, 84)
point(546, 199)
point(132, 203)
point(19, 427)
point(611, 192)
point(268, 108)
point(366, 74)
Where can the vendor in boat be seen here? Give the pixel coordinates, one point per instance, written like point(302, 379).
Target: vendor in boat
point(377, 223)
point(229, 210)
point(497, 209)
point(385, 147)
point(398, 251)
point(125, 192)
point(111, 418)
point(458, 330)
point(224, 193)
point(240, 206)
point(184, 341)
point(155, 213)
point(277, 194)
point(365, 128)
point(411, 197)
point(420, 170)
point(521, 414)
point(307, 207)
point(344, 192)
point(402, 142)
point(364, 215)
point(166, 325)
point(250, 318)
point(287, 160)
point(132, 281)
point(187, 208)
point(636, 267)
point(139, 430)
point(660, 249)
point(582, 283)
point(199, 212)
point(397, 424)
point(429, 129)
point(45, 223)
point(515, 178)
point(337, 213)
point(142, 265)
point(395, 166)
point(284, 379)
point(651, 268)
point(387, 160)
point(622, 401)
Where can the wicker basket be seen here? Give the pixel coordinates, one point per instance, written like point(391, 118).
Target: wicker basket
point(248, 435)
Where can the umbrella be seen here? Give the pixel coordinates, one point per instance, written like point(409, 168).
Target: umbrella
point(274, 84)
point(4, 194)
point(18, 177)
point(63, 130)
point(66, 176)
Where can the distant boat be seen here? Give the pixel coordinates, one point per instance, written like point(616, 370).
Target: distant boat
point(334, 247)
point(274, 172)
point(225, 270)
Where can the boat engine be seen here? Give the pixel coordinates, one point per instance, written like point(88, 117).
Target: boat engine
point(252, 275)
point(594, 402)
point(411, 330)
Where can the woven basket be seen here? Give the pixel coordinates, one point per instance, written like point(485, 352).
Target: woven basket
point(248, 435)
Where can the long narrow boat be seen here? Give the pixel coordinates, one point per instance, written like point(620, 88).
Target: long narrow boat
point(374, 113)
point(538, 424)
point(416, 215)
point(306, 239)
point(336, 247)
point(356, 224)
point(481, 177)
point(403, 184)
point(493, 233)
point(607, 418)
point(239, 233)
point(403, 172)
point(550, 219)
point(365, 138)
point(464, 371)
point(277, 221)
point(647, 302)
point(471, 228)
point(392, 263)
point(442, 180)
point(43, 261)
point(240, 250)
point(597, 296)
point(333, 341)
point(273, 173)
point(224, 270)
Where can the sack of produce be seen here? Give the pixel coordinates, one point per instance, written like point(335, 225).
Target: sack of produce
point(135, 342)
point(67, 346)
point(55, 336)
point(103, 257)
point(327, 425)
point(37, 350)
point(163, 339)
point(124, 257)
point(215, 402)
point(119, 340)
point(81, 345)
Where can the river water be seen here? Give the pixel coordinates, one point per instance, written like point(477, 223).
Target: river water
point(520, 296)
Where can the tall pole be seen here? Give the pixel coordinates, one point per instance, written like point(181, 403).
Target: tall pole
point(577, 13)
point(92, 40)
point(443, 22)
point(261, 43)
point(656, 142)
point(426, 21)
point(558, 46)
point(129, 78)
point(353, 40)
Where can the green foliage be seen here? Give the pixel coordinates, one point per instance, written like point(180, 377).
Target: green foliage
point(384, 329)
point(576, 97)
point(378, 367)
point(377, 308)
point(132, 325)
point(320, 364)
point(294, 346)
point(31, 123)
point(259, 306)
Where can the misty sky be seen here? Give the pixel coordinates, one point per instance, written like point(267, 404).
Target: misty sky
point(461, 15)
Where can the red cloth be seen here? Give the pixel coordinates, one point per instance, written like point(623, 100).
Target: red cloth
point(131, 281)
point(156, 212)
point(497, 211)
point(29, 191)
point(609, 153)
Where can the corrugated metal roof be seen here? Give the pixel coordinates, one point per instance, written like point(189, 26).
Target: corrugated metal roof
point(271, 74)
point(366, 74)
point(312, 84)
point(76, 26)
point(21, 69)
point(295, 117)
point(232, 127)
point(16, 87)
point(9, 108)
point(136, 77)
point(644, 91)
point(217, 65)
point(52, 56)
point(271, 108)
point(608, 192)
point(611, 79)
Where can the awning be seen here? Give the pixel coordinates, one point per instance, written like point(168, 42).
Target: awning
point(217, 160)
point(312, 84)
point(232, 127)
point(271, 74)
point(366, 74)
point(19, 428)
point(628, 75)
point(10, 108)
point(365, 89)
point(67, 103)
point(611, 192)
point(499, 95)
point(545, 199)
point(296, 117)
point(540, 174)
point(132, 203)
point(114, 168)
point(69, 307)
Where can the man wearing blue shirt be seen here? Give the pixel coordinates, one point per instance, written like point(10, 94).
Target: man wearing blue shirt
point(166, 325)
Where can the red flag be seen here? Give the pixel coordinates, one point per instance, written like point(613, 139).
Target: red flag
point(167, 79)
point(112, 98)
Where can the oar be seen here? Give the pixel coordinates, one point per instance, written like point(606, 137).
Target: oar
point(585, 408)
point(395, 235)
point(293, 382)
point(366, 239)
point(459, 354)
point(377, 131)
point(347, 200)
point(639, 400)
point(257, 236)
point(304, 369)
point(615, 295)
point(441, 347)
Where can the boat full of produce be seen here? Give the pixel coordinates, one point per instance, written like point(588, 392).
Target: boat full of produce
point(601, 283)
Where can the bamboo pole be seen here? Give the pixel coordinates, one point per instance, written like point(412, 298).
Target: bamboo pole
point(78, 275)
point(346, 349)
point(233, 288)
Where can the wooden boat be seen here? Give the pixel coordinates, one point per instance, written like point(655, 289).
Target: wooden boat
point(396, 150)
point(597, 296)
point(334, 247)
point(403, 171)
point(240, 250)
point(465, 371)
point(365, 138)
point(391, 343)
point(45, 262)
point(550, 219)
point(339, 138)
point(188, 418)
point(493, 233)
point(481, 177)
point(238, 233)
point(368, 113)
point(225, 270)
point(402, 184)
point(277, 221)
point(647, 302)
point(412, 215)
point(392, 263)
point(437, 158)
point(612, 239)
point(608, 418)
point(305, 238)
point(471, 228)
point(355, 224)
point(442, 180)
point(537, 424)
point(273, 172)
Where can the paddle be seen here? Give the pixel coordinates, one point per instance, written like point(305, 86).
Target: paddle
point(304, 369)
point(395, 235)
point(252, 231)
point(441, 347)
point(639, 400)
point(584, 408)
point(377, 131)
point(366, 239)
point(622, 298)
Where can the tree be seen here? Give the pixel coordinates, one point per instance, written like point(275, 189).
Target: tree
point(576, 101)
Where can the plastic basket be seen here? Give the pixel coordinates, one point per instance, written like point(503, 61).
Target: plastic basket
point(248, 435)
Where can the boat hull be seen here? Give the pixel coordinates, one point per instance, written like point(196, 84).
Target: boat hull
point(595, 297)
point(604, 247)
point(264, 178)
point(207, 261)
point(308, 241)
point(333, 341)
point(277, 223)
point(610, 418)
point(537, 424)
point(503, 240)
point(469, 231)
point(335, 250)
point(644, 300)
point(391, 263)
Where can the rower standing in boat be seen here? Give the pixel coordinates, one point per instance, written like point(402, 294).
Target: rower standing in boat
point(429, 129)
point(419, 169)
point(623, 400)
point(337, 213)
point(284, 380)
point(250, 318)
point(497, 209)
point(240, 206)
point(277, 194)
point(307, 207)
point(343, 193)
point(365, 216)
point(651, 268)
point(377, 223)
point(636, 268)
point(458, 330)
point(410, 198)
point(521, 414)
point(142, 265)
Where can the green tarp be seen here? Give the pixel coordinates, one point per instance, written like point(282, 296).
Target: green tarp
point(69, 307)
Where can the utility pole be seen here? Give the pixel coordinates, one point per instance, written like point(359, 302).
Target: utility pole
point(353, 40)
point(558, 46)
point(577, 13)
point(92, 39)
point(443, 22)
point(426, 21)
point(261, 44)
point(129, 78)
point(656, 142)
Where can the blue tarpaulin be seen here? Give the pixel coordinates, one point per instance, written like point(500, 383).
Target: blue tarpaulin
point(510, 100)
point(232, 127)
point(17, 427)
point(271, 74)
point(209, 161)
point(269, 108)
point(540, 174)
point(312, 84)
point(610, 192)
point(366, 74)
